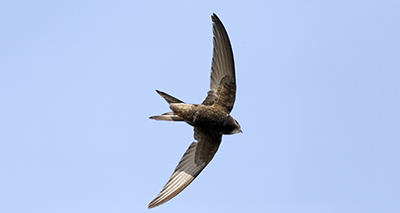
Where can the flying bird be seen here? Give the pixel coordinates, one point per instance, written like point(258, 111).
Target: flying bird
point(210, 119)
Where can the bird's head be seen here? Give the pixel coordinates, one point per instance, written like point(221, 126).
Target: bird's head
point(234, 126)
point(237, 129)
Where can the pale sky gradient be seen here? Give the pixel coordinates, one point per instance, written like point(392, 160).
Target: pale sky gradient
point(318, 100)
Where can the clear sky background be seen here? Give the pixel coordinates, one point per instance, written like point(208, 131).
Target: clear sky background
point(318, 100)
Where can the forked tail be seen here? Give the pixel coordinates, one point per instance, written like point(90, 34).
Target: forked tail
point(169, 116)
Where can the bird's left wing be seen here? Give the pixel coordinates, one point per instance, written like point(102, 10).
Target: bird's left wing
point(195, 159)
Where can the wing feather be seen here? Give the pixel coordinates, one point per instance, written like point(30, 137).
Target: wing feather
point(195, 159)
point(223, 82)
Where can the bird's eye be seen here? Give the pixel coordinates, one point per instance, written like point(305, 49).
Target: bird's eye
point(236, 122)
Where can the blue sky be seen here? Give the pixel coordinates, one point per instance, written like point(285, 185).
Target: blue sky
point(318, 100)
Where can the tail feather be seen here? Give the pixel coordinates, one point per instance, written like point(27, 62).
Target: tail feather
point(169, 98)
point(169, 116)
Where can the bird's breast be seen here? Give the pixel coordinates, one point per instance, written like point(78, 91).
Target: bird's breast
point(210, 119)
point(204, 117)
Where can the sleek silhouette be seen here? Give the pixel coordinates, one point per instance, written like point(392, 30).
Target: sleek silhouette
point(210, 119)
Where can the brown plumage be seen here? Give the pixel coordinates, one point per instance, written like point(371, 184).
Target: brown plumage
point(210, 119)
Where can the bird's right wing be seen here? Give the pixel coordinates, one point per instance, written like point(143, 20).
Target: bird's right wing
point(195, 159)
point(223, 82)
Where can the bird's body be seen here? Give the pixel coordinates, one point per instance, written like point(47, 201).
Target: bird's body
point(206, 118)
point(210, 119)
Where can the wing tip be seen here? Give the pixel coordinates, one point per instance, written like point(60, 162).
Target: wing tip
point(152, 204)
point(215, 19)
